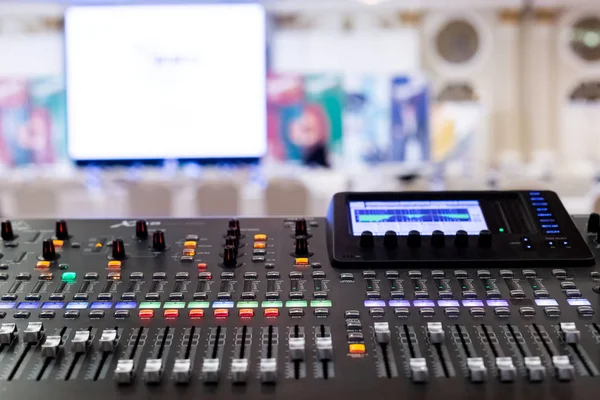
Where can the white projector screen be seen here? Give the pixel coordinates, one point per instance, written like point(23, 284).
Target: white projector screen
point(148, 82)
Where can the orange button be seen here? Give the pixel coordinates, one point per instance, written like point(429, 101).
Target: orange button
point(356, 348)
point(202, 266)
point(221, 313)
point(114, 276)
point(271, 312)
point(260, 245)
point(58, 243)
point(114, 264)
point(42, 264)
point(196, 313)
point(260, 237)
point(246, 313)
point(171, 313)
point(98, 245)
point(145, 314)
point(189, 252)
point(190, 244)
point(301, 261)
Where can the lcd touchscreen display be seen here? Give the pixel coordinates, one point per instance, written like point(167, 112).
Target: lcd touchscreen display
point(402, 217)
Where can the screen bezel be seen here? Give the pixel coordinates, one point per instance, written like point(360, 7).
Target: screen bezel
point(123, 162)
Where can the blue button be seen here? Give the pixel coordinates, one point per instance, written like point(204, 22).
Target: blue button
point(545, 215)
point(549, 226)
point(53, 305)
point(7, 304)
point(497, 303)
point(77, 304)
point(126, 304)
point(423, 303)
point(29, 304)
point(537, 199)
point(534, 193)
point(542, 209)
point(101, 304)
point(554, 232)
point(542, 204)
point(374, 303)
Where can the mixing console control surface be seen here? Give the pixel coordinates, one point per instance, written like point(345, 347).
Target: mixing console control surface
point(253, 308)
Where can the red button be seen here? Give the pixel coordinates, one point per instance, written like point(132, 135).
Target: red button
point(145, 314)
point(171, 313)
point(221, 312)
point(196, 313)
point(246, 313)
point(202, 266)
point(271, 312)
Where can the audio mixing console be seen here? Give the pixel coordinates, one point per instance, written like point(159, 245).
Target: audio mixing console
point(403, 295)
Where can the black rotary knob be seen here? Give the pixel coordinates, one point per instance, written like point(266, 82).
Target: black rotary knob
point(234, 223)
point(7, 231)
point(390, 240)
point(301, 227)
point(485, 239)
point(366, 239)
point(141, 229)
point(118, 249)
point(61, 231)
point(233, 232)
point(593, 225)
point(158, 241)
point(301, 246)
point(438, 239)
point(48, 250)
point(229, 256)
point(232, 241)
point(414, 239)
point(461, 240)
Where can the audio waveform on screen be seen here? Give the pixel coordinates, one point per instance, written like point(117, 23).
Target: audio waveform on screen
point(408, 215)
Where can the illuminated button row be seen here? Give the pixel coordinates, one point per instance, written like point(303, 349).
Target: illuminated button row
point(168, 304)
point(173, 313)
point(468, 303)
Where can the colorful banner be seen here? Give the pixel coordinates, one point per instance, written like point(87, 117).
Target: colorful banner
point(305, 118)
point(32, 121)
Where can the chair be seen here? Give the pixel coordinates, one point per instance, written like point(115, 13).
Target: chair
point(287, 197)
point(150, 199)
point(217, 198)
point(35, 200)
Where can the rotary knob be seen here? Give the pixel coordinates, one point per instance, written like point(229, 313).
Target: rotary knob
point(438, 239)
point(301, 227)
point(233, 232)
point(158, 241)
point(367, 240)
point(390, 240)
point(414, 239)
point(141, 229)
point(61, 231)
point(48, 250)
point(593, 225)
point(7, 231)
point(301, 246)
point(461, 240)
point(118, 249)
point(229, 256)
point(485, 239)
point(232, 241)
point(234, 223)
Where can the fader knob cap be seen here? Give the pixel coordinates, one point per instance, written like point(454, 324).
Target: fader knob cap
point(301, 246)
point(485, 239)
point(366, 239)
point(438, 239)
point(118, 249)
point(61, 231)
point(158, 241)
point(414, 239)
point(7, 231)
point(48, 250)
point(301, 228)
point(593, 225)
point(229, 256)
point(461, 240)
point(141, 229)
point(390, 240)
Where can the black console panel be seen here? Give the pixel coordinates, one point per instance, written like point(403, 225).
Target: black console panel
point(253, 308)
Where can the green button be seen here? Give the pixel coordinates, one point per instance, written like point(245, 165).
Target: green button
point(63, 266)
point(271, 304)
point(198, 304)
point(296, 303)
point(69, 276)
point(320, 303)
point(247, 304)
point(174, 304)
point(150, 304)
